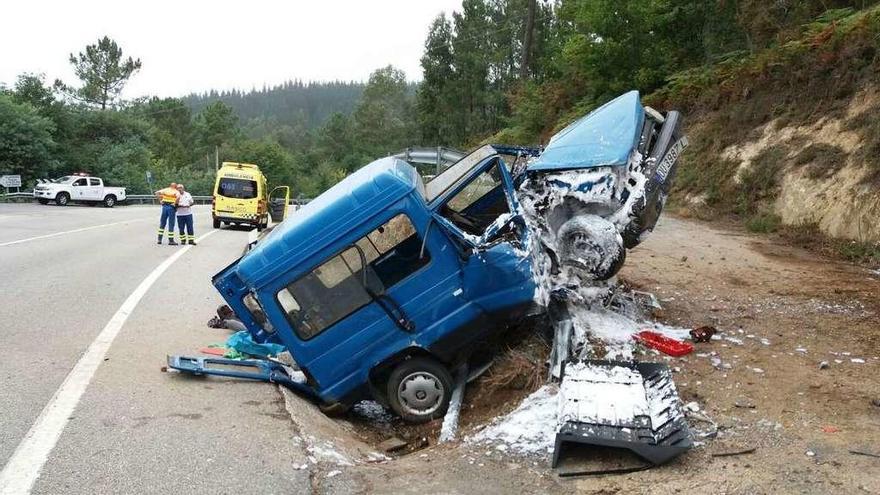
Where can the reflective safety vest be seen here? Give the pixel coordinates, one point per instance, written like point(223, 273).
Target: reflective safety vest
point(169, 195)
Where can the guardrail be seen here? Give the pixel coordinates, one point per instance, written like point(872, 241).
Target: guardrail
point(150, 199)
point(140, 199)
point(17, 197)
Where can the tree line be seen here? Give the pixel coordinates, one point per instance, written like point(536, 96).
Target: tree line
point(515, 70)
point(498, 70)
point(324, 132)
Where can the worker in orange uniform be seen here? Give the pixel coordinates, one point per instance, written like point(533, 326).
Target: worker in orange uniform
point(168, 199)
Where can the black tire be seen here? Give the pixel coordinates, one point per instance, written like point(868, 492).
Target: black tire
point(216, 223)
point(109, 201)
point(43, 201)
point(63, 199)
point(591, 246)
point(419, 390)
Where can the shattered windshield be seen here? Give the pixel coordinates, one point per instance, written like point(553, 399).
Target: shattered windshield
point(452, 175)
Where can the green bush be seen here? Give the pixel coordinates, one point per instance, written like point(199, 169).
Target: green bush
point(763, 223)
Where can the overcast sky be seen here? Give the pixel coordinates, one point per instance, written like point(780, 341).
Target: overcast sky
point(192, 45)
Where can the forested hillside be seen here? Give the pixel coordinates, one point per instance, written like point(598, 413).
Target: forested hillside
point(294, 103)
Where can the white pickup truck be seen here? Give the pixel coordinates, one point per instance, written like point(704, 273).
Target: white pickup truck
point(79, 188)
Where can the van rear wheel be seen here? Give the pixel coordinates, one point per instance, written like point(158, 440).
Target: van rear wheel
point(419, 390)
point(216, 223)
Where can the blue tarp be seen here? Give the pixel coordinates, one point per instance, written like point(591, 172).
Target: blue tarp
point(604, 137)
point(244, 343)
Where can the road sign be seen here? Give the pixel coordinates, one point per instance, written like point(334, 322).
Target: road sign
point(149, 177)
point(10, 181)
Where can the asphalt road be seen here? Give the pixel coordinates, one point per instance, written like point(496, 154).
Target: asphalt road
point(66, 272)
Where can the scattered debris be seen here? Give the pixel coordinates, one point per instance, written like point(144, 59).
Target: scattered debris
point(857, 360)
point(393, 444)
point(735, 452)
point(744, 403)
point(830, 429)
point(664, 344)
point(711, 432)
point(864, 452)
point(875, 402)
point(824, 365)
point(703, 334)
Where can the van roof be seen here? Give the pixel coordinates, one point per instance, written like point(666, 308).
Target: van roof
point(325, 219)
point(240, 165)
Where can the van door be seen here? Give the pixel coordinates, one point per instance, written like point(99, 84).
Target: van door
point(237, 195)
point(392, 287)
point(484, 217)
point(279, 199)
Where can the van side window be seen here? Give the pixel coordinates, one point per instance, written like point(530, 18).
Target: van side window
point(478, 203)
point(342, 284)
point(94, 182)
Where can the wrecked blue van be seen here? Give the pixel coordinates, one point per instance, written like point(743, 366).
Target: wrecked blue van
point(383, 284)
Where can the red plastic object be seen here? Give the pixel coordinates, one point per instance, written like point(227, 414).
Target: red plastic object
point(664, 344)
point(214, 351)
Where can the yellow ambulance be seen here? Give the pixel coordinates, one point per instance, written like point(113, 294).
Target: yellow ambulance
point(241, 196)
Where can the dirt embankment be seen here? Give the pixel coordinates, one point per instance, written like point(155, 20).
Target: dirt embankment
point(783, 313)
point(788, 135)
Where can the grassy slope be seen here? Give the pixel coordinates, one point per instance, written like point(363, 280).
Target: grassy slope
point(794, 84)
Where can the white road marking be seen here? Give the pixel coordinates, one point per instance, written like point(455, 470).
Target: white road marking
point(23, 469)
point(56, 234)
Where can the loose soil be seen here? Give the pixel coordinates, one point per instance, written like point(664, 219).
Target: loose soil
point(769, 395)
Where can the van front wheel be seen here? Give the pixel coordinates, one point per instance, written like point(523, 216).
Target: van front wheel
point(419, 390)
point(216, 223)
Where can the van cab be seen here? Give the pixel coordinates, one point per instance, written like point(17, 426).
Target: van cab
point(379, 286)
point(240, 196)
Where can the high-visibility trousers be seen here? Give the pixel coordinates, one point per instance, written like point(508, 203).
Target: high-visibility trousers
point(185, 224)
point(167, 218)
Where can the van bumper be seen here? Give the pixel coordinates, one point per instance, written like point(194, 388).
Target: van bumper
point(243, 220)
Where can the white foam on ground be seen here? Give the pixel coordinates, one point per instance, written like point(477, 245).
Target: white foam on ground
point(528, 429)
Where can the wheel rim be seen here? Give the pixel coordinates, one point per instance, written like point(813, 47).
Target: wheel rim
point(109, 201)
point(62, 199)
point(420, 393)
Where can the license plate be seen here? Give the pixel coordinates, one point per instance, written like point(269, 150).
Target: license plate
point(670, 158)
